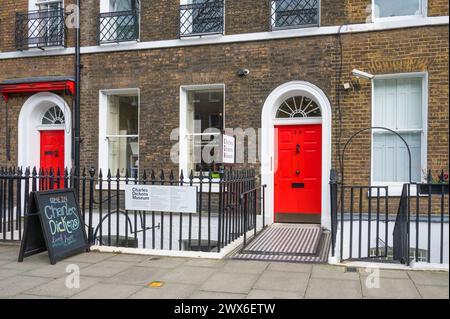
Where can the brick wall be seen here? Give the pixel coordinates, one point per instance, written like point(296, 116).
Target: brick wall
point(159, 74)
point(159, 19)
point(7, 22)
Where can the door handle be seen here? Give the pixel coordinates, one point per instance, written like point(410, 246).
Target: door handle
point(297, 148)
point(56, 153)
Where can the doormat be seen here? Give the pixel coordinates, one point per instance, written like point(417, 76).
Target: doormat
point(279, 239)
point(321, 256)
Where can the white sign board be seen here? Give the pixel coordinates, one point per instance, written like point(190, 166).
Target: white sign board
point(228, 149)
point(176, 199)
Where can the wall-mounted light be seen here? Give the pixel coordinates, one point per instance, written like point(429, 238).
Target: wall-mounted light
point(243, 72)
point(362, 74)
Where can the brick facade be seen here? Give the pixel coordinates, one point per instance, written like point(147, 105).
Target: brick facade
point(159, 73)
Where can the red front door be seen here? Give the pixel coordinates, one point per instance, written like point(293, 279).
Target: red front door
point(298, 175)
point(52, 151)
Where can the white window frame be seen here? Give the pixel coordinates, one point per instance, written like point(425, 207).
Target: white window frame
point(395, 188)
point(424, 7)
point(183, 139)
point(103, 145)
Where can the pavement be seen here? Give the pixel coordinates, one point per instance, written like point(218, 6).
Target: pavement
point(107, 276)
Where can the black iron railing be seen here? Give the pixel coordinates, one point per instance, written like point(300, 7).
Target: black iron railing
point(369, 223)
point(40, 29)
point(294, 13)
point(221, 217)
point(118, 26)
point(202, 18)
point(253, 203)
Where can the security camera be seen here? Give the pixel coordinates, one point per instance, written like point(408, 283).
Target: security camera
point(243, 72)
point(362, 74)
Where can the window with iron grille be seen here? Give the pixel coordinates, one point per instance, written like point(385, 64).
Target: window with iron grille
point(41, 28)
point(294, 13)
point(121, 21)
point(199, 17)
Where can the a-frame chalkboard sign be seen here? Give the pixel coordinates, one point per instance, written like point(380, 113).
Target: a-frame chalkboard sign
point(53, 223)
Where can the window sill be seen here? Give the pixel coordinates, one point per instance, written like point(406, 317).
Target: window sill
point(398, 18)
point(118, 43)
point(394, 189)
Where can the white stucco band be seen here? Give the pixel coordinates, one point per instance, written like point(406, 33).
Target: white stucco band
point(29, 126)
point(268, 122)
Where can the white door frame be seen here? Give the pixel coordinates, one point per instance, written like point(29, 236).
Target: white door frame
point(268, 121)
point(30, 125)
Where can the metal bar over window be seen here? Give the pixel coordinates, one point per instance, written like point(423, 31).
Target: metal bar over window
point(294, 13)
point(118, 26)
point(40, 29)
point(202, 18)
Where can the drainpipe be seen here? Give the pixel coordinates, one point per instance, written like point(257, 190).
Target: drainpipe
point(76, 110)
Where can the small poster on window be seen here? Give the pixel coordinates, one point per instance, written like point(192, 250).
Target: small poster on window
point(228, 149)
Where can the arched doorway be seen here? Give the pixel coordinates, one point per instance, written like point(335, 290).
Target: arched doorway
point(296, 154)
point(45, 132)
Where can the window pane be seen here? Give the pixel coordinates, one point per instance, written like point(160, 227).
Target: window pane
point(390, 157)
point(123, 155)
point(123, 115)
point(204, 151)
point(398, 103)
point(204, 113)
point(394, 8)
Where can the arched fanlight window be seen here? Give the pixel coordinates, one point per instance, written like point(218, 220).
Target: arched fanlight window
point(298, 106)
point(53, 116)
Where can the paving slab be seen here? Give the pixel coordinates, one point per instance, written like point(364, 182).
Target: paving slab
point(290, 267)
point(283, 281)
point(319, 288)
point(391, 288)
point(433, 292)
point(91, 257)
point(9, 256)
point(333, 272)
point(429, 278)
point(105, 269)
point(238, 283)
point(128, 258)
point(245, 267)
point(27, 296)
point(57, 288)
point(383, 273)
point(54, 271)
point(188, 275)
point(137, 276)
point(167, 291)
point(15, 285)
point(273, 294)
point(162, 262)
point(7, 273)
point(216, 295)
point(107, 291)
point(209, 263)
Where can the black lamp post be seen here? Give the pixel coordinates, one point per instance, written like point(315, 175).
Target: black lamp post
point(76, 110)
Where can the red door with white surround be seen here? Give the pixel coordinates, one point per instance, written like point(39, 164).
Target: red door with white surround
point(52, 151)
point(298, 176)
